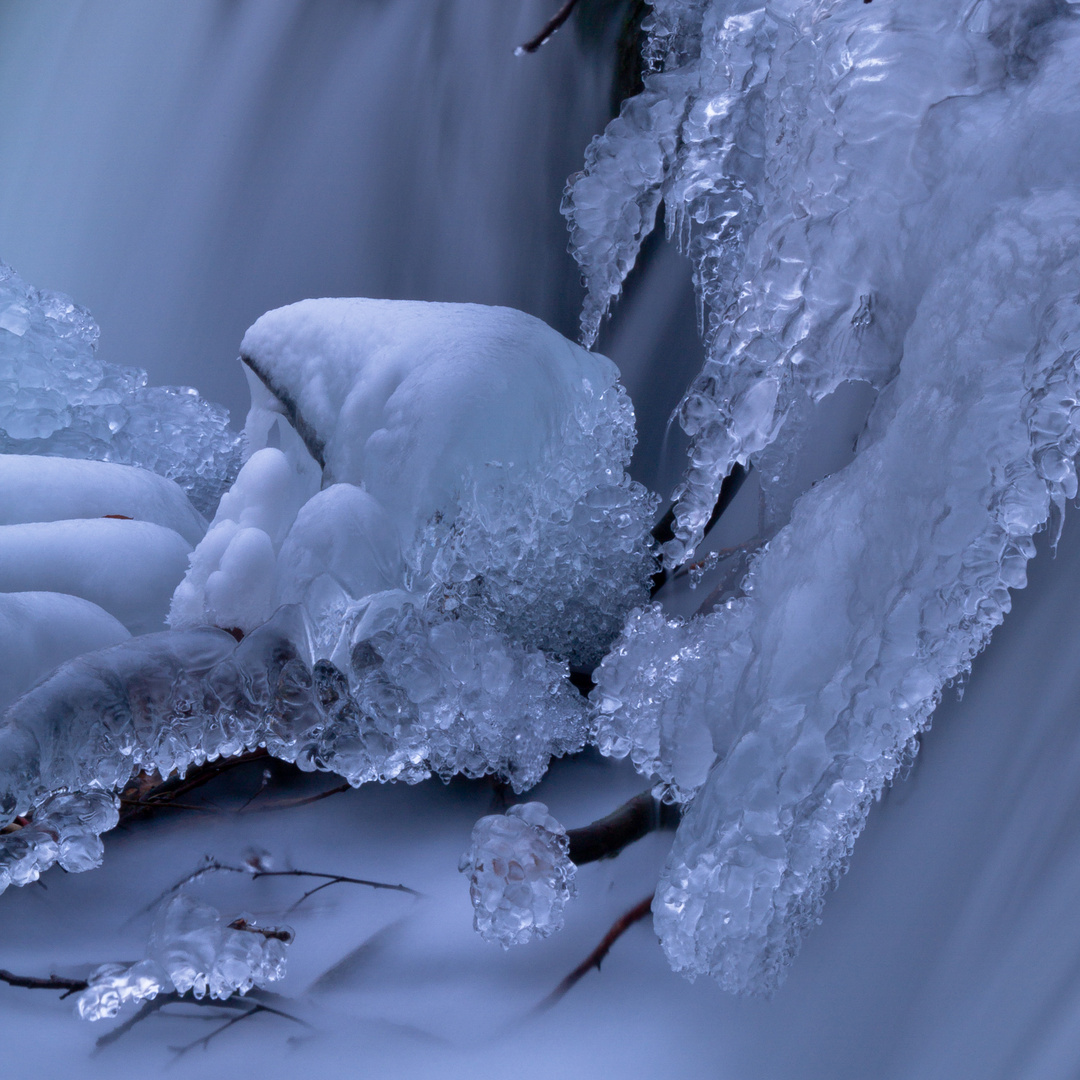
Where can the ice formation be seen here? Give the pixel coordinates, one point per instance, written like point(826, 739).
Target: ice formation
point(520, 874)
point(409, 579)
point(191, 950)
point(789, 144)
point(58, 399)
point(849, 218)
point(65, 830)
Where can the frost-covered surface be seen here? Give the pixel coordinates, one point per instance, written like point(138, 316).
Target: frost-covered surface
point(520, 875)
point(194, 950)
point(888, 580)
point(58, 399)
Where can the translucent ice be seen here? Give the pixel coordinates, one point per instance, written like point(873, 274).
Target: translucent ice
point(112, 986)
point(520, 874)
point(191, 950)
point(65, 830)
point(202, 954)
point(58, 399)
point(789, 142)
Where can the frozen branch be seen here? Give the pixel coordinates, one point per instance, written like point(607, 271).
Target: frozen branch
point(549, 29)
point(53, 982)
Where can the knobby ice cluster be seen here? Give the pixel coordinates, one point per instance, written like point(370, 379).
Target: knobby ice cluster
point(520, 874)
point(57, 398)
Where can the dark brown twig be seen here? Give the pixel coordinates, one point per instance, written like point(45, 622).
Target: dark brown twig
point(332, 879)
point(596, 957)
point(147, 793)
point(288, 804)
point(53, 982)
point(550, 27)
point(605, 838)
point(664, 529)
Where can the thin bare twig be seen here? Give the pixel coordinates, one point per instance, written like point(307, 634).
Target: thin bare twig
point(53, 982)
point(257, 1007)
point(146, 1009)
point(596, 957)
point(550, 27)
point(254, 870)
point(334, 879)
point(288, 804)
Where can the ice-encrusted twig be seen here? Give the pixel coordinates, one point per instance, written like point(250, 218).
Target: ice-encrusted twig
point(607, 836)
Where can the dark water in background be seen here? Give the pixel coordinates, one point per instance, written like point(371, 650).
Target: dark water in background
point(180, 166)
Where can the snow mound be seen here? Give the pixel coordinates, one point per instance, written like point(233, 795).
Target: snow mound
point(40, 630)
point(128, 568)
point(56, 489)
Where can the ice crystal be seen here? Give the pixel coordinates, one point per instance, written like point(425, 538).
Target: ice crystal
point(65, 829)
point(58, 399)
point(520, 874)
